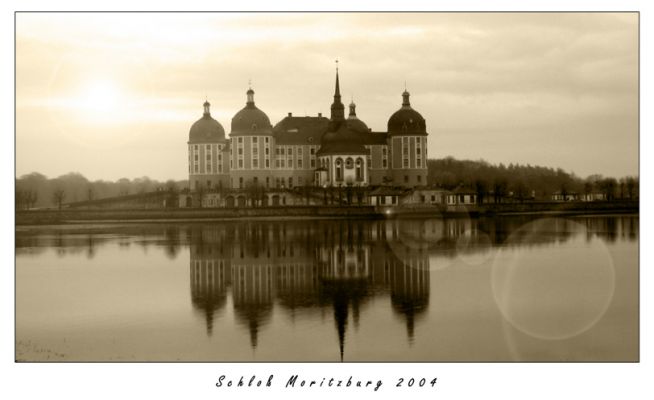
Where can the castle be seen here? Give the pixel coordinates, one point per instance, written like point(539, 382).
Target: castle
point(307, 151)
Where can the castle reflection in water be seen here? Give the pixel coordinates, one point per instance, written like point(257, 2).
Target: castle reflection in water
point(320, 267)
point(337, 265)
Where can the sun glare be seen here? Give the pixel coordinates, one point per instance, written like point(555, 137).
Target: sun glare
point(100, 97)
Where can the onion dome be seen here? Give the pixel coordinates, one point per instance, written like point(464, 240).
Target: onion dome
point(206, 129)
point(250, 120)
point(406, 120)
point(354, 123)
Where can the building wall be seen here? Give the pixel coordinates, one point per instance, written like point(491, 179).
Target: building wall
point(244, 159)
point(408, 157)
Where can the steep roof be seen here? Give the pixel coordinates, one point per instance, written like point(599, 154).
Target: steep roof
point(300, 130)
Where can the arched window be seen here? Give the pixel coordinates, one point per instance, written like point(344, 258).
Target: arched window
point(359, 170)
point(339, 169)
point(349, 163)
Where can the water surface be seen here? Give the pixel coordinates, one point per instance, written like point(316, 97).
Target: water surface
point(502, 289)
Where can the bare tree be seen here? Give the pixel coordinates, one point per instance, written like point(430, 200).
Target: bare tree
point(58, 197)
point(200, 191)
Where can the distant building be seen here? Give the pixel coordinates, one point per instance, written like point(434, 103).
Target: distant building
point(307, 151)
point(569, 196)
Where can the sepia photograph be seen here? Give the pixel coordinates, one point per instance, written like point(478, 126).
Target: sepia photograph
point(327, 187)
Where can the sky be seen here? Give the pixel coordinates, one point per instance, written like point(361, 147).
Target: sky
point(114, 95)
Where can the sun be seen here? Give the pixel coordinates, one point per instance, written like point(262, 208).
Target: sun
point(101, 97)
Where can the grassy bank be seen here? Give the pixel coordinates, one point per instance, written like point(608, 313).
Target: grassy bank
point(52, 217)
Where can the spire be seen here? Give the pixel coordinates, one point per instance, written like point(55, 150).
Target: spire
point(405, 98)
point(338, 109)
point(353, 107)
point(250, 94)
point(337, 92)
point(206, 105)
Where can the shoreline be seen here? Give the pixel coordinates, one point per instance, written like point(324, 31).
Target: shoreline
point(122, 216)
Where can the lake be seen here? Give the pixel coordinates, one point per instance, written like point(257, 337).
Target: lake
point(513, 288)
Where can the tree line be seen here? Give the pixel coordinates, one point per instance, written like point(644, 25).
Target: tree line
point(35, 190)
point(496, 183)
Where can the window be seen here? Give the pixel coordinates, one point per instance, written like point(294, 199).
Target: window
point(290, 151)
point(240, 140)
point(255, 163)
point(255, 139)
point(349, 163)
point(433, 198)
point(422, 198)
point(300, 181)
point(267, 151)
point(359, 170)
point(240, 182)
point(240, 163)
point(267, 181)
point(208, 184)
point(313, 163)
point(406, 178)
point(384, 163)
point(282, 164)
point(405, 163)
point(267, 163)
point(339, 169)
point(197, 157)
point(419, 178)
point(313, 151)
point(299, 163)
point(266, 139)
point(290, 182)
point(240, 151)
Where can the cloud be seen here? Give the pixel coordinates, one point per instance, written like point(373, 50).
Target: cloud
point(549, 79)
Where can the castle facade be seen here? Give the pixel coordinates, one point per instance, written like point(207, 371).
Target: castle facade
point(307, 151)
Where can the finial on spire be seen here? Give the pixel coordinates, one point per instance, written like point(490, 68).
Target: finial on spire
point(250, 93)
point(206, 106)
point(405, 85)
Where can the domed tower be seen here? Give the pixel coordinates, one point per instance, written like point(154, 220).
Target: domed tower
point(251, 150)
point(407, 140)
point(354, 123)
point(208, 165)
point(342, 155)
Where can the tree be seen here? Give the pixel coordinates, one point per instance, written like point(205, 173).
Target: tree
point(200, 191)
point(480, 189)
point(255, 192)
point(632, 185)
point(499, 190)
point(58, 197)
point(520, 191)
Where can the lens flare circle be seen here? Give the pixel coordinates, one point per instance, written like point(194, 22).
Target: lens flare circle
point(551, 280)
